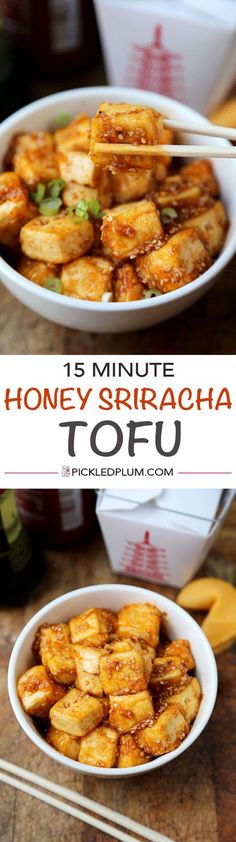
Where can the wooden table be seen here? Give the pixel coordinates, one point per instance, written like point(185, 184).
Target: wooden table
point(193, 798)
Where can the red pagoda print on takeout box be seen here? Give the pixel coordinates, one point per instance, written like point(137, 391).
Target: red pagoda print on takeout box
point(155, 68)
point(144, 560)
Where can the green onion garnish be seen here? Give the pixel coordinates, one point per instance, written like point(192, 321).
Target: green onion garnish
point(167, 214)
point(54, 284)
point(85, 209)
point(55, 186)
point(49, 206)
point(61, 120)
point(38, 194)
point(152, 293)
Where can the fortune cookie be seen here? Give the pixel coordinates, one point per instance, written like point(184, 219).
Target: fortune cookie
point(218, 598)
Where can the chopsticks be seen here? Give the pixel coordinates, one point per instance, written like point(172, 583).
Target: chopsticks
point(209, 130)
point(181, 151)
point(69, 795)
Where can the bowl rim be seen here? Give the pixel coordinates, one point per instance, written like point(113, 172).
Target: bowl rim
point(65, 301)
point(25, 721)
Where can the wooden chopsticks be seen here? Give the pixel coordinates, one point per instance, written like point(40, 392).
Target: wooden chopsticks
point(68, 795)
point(181, 151)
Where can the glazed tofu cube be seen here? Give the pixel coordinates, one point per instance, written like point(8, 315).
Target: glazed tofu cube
point(200, 173)
point(48, 634)
point(167, 670)
point(89, 278)
point(74, 193)
point(125, 123)
point(167, 732)
point(38, 692)
point(74, 136)
point(127, 286)
point(123, 672)
point(129, 753)
point(34, 158)
point(163, 163)
point(177, 198)
point(88, 670)
point(128, 186)
point(178, 262)
point(36, 270)
point(59, 659)
point(127, 713)
point(188, 697)
point(76, 714)
point(15, 208)
point(64, 743)
point(212, 226)
point(140, 621)
point(181, 649)
point(56, 239)
point(128, 230)
point(148, 664)
point(99, 748)
point(94, 627)
point(75, 165)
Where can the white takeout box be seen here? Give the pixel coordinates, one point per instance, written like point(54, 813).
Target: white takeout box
point(160, 536)
point(170, 47)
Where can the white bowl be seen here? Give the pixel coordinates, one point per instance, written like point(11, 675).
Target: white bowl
point(179, 625)
point(111, 317)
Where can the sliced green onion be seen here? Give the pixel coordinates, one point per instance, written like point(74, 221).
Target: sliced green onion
point(167, 214)
point(94, 209)
point(49, 206)
point(152, 293)
point(61, 120)
point(55, 186)
point(38, 194)
point(54, 284)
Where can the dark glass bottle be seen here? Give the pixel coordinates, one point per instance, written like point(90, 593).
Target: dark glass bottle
point(21, 563)
point(58, 517)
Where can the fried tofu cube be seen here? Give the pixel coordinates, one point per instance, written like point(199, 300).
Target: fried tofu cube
point(178, 262)
point(76, 714)
point(36, 270)
point(56, 239)
point(99, 748)
point(64, 743)
point(34, 158)
point(94, 627)
point(140, 621)
point(181, 648)
point(128, 186)
point(127, 286)
point(123, 672)
point(167, 732)
point(15, 208)
point(188, 697)
point(124, 123)
point(88, 670)
point(200, 173)
point(74, 136)
point(38, 692)
point(129, 712)
point(164, 163)
point(75, 165)
point(131, 229)
point(129, 753)
point(89, 278)
point(48, 634)
point(59, 659)
point(212, 226)
point(74, 192)
point(167, 670)
point(177, 198)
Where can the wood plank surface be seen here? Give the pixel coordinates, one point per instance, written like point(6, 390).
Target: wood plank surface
point(191, 799)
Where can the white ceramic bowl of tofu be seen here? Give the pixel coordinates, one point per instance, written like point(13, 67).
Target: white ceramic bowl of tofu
point(179, 624)
point(109, 317)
